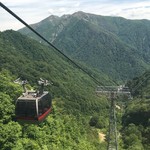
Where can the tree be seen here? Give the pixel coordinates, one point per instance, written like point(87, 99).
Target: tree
point(6, 108)
point(132, 138)
point(10, 134)
point(93, 120)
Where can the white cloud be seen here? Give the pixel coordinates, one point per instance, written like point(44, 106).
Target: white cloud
point(33, 11)
point(136, 10)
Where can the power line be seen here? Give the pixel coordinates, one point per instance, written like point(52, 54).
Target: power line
point(58, 50)
point(140, 83)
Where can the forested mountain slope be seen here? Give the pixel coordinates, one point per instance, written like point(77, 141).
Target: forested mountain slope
point(140, 85)
point(73, 92)
point(30, 60)
point(136, 119)
point(114, 45)
point(75, 104)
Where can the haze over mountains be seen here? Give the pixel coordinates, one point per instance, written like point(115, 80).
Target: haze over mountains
point(117, 46)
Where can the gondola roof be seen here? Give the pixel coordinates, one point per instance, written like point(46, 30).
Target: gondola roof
point(32, 95)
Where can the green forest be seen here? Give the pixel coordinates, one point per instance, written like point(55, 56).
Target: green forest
point(78, 114)
point(61, 129)
point(117, 46)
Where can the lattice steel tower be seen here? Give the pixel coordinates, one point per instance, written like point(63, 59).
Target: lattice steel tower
point(112, 92)
point(112, 133)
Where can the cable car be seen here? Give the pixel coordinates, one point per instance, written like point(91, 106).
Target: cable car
point(33, 106)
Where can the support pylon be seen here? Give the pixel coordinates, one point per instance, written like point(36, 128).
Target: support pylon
point(112, 134)
point(113, 92)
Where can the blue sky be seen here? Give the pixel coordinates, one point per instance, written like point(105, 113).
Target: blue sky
point(33, 11)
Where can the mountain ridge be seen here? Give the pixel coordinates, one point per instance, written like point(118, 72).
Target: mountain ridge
point(75, 105)
point(81, 34)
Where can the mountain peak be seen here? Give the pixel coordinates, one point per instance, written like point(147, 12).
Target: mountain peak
point(51, 18)
point(80, 14)
point(116, 46)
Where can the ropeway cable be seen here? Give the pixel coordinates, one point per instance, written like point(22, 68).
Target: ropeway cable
point(58, 50)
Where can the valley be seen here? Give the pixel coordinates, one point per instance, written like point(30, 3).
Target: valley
point(111, 50)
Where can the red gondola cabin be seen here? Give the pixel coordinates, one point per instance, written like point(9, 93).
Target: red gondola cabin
point(33, 107)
